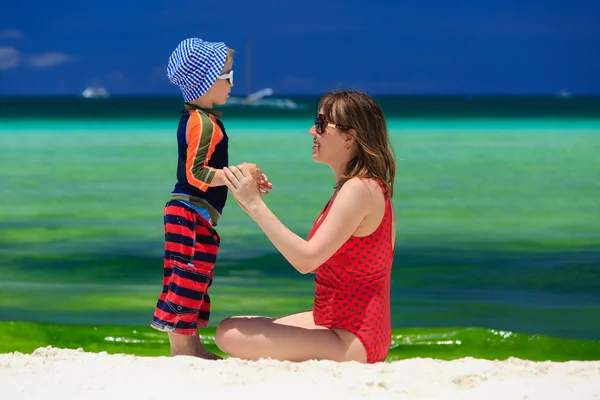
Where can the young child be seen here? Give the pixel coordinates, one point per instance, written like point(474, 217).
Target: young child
point(203, 72)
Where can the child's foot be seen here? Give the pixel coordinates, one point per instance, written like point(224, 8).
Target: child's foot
point(189, 346)
point(207, 355)
point(200, 353)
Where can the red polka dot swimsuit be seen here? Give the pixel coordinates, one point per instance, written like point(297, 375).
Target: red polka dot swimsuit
point(352, 288)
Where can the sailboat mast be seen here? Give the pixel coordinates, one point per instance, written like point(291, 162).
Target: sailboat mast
point(248, 67)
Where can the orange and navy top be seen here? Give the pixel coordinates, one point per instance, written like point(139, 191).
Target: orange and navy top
point(202, 149)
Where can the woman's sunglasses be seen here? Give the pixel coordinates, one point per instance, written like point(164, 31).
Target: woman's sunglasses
point(321, 123)
point(228, 76)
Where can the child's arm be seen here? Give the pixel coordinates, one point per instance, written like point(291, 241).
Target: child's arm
point(260, 178)
point(203, 133)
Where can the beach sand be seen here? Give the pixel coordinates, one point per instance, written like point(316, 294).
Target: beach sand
point(76, 374)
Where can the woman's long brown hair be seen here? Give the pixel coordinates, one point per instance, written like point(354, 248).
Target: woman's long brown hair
point(375, 158)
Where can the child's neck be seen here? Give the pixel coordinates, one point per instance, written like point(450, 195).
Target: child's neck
point(203, 103)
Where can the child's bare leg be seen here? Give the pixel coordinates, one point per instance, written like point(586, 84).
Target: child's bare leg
point(184, 345)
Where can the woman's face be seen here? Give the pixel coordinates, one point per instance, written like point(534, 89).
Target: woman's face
point(329, 143)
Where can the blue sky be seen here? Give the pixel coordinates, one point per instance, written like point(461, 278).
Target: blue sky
point(308, 46)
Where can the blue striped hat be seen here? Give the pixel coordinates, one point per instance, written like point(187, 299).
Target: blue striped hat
point(195, 65)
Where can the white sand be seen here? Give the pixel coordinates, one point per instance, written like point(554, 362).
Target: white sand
point(51, 373)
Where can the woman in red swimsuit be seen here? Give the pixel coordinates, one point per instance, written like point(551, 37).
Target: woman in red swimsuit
point(350, 248)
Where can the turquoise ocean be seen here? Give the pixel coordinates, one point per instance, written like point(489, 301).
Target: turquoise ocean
point(497, 202)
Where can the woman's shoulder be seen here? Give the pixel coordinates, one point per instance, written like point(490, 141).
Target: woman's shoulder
point(359, 192)
point(361, 187)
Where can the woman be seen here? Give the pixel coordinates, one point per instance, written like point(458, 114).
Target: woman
point(350, 247)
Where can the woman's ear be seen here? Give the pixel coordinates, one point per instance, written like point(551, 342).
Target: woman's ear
point(350, 137)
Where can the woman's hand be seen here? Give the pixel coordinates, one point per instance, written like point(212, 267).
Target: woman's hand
point(243, 185)
point(260, 178)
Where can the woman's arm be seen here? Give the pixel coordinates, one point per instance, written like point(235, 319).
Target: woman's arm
point(352, 204)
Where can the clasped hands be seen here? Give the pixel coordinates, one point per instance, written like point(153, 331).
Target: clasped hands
point(247, 183)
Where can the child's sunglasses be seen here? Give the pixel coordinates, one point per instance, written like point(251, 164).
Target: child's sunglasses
point(228, 76)
point(321, 122)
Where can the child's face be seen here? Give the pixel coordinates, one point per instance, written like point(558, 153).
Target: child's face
point(220, 90)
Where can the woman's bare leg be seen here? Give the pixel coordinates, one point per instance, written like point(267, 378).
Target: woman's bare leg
point(292, 338)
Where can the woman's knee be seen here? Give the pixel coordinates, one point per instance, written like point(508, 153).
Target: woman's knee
point(224, 334)
point(235, 335)
point(230, 332)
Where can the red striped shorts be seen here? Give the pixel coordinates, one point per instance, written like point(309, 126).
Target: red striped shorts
point(191, 247)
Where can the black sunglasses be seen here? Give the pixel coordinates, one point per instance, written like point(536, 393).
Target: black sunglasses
point(321, 123)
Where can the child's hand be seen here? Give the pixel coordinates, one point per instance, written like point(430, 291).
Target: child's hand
point(261, 179)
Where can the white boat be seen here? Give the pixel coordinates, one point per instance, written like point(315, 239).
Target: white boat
point(262, 98)
point(564, 94)
point(95, 93)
